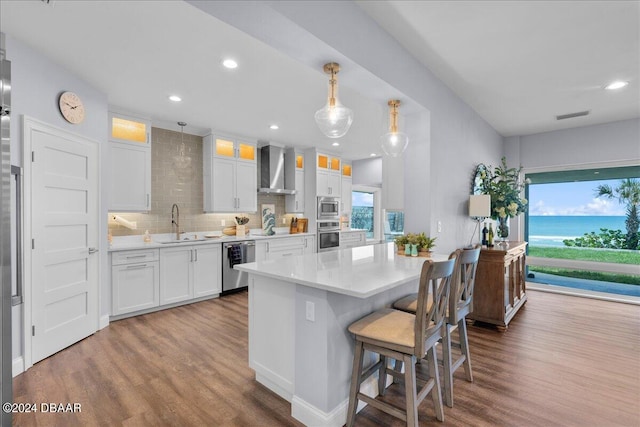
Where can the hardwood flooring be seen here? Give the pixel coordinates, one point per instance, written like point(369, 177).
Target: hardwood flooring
point(564, 361)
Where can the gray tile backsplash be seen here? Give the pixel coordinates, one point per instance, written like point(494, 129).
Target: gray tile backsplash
point(176, 177)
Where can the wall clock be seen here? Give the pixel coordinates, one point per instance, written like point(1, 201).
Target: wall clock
point(71, 107)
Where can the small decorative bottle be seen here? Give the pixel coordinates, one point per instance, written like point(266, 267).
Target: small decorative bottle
point(407, 249)
point(484, 242)
point(490, 241)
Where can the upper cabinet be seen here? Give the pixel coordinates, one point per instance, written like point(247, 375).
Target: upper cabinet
point(230, 175)
point(130, 154)
point(294, 180)
point(328, 172)
point(345, 191)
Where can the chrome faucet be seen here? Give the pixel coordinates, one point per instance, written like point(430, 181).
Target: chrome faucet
point(175, 219)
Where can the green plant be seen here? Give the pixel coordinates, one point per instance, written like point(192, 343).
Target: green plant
point(504, 186)
point(426, 243)
point(401, 240)
point(628, 192)
point(607, 239)
point(412, 239)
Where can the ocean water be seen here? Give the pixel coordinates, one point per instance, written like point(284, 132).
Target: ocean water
point(552, 230)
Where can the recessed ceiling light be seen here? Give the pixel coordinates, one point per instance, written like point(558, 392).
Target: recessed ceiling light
point(175, 98)
point(596, 173)
point(230, 63)
point(335, 144)
point(618, 84)
point(274, 127)
point(373, 154)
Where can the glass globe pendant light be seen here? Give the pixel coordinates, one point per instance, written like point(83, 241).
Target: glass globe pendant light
point(334, 119)
point(394, 143)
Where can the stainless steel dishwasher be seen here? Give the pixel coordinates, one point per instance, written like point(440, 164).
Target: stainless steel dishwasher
point(234, 253)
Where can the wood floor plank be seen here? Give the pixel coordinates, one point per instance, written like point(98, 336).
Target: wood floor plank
point(564, 361)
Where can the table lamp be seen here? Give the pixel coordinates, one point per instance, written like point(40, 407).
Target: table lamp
point(479, 209)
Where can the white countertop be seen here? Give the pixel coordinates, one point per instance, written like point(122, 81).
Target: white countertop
point(127, 243)
point(360, 272)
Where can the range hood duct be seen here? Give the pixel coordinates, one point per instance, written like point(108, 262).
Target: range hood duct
point(272, 171)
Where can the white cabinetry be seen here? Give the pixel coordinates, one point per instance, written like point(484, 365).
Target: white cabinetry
point(345, 192)
point(294, 180)
point(351, 239)
point(328, 181)
point(130, 161)
point(134, 281)
point(282, 247)
point(230, 175)
point(188, 272)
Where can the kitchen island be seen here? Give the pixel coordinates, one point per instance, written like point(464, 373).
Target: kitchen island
point(299, 311)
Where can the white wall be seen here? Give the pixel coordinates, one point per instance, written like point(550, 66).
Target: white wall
point(36, 85)
point(583, 147)
point(367, 172)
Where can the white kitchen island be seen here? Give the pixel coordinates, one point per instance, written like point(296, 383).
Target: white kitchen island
point(299, 311)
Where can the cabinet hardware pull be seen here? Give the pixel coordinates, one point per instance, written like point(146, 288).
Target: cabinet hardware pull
point(136, 266)
point(148, 203)
point(289, 254)
point(195, 251)
point(135, 256)
point(93, 250)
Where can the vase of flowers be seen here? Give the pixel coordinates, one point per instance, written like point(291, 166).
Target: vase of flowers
point(505, 187)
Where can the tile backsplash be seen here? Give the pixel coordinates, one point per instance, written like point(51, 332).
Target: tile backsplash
point(176, 177)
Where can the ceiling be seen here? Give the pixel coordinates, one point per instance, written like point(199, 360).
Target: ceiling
point(518, 64)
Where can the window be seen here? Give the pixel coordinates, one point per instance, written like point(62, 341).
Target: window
point(365, 210)
point(579, 239)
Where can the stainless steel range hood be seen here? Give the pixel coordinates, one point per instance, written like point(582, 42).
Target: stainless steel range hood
point(272, 171)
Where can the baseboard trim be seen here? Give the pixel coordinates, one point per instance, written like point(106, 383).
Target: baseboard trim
point(17, 366)
point(104, 322)
point(309, 415)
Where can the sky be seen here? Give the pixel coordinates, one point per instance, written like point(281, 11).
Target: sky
point(573, 198)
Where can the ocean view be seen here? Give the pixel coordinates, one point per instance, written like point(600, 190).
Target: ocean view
point(552, 230)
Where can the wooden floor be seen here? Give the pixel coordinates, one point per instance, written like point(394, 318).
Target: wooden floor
point(565, 361)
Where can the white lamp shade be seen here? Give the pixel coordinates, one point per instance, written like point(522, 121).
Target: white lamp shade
point(480, 205)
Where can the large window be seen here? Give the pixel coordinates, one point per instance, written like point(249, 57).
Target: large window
point(582, 229)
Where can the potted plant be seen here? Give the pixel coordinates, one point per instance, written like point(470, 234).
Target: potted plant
point(426, 244)
point(505, 187)
point(400, 242)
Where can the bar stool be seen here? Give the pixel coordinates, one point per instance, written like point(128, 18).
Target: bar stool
point(406, 337)
point(460, 304)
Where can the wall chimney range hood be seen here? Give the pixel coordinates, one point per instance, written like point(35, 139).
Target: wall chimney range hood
point(272, 171)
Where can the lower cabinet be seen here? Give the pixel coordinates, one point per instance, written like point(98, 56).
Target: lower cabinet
point(147, 279)
point(351, 239)
point(135, 281)
point(189, 272)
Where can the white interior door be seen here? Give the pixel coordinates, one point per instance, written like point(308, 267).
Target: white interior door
point(64, 229)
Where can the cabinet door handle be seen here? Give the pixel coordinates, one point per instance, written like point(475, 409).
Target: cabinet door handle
point(195, 251)
point(287, 254)
point(93, 250)
point(136, 266)
point(135, 256)
point(148, 201)
point(267, 246)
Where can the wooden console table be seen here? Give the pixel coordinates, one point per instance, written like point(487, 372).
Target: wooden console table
point(500, 284)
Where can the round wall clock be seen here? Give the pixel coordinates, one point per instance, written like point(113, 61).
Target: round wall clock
point(71, 107)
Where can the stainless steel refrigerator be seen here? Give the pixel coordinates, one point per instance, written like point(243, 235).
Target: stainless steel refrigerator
point(6, 387)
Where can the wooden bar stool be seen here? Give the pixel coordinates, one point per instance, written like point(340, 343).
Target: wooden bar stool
point(460, 304)
point(406, 337)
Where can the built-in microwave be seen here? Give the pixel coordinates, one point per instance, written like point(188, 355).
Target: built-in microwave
point(328, 208)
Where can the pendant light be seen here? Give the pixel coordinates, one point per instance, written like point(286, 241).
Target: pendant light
point(394, 143)
point(334, 119)
point(182, 162)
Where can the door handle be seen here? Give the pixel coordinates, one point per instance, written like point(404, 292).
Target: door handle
point(93, 250)
point(195, 251)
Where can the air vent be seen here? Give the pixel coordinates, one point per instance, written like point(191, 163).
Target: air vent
point(572, 115)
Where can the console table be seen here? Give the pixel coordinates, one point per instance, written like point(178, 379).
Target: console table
point(500, 284)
